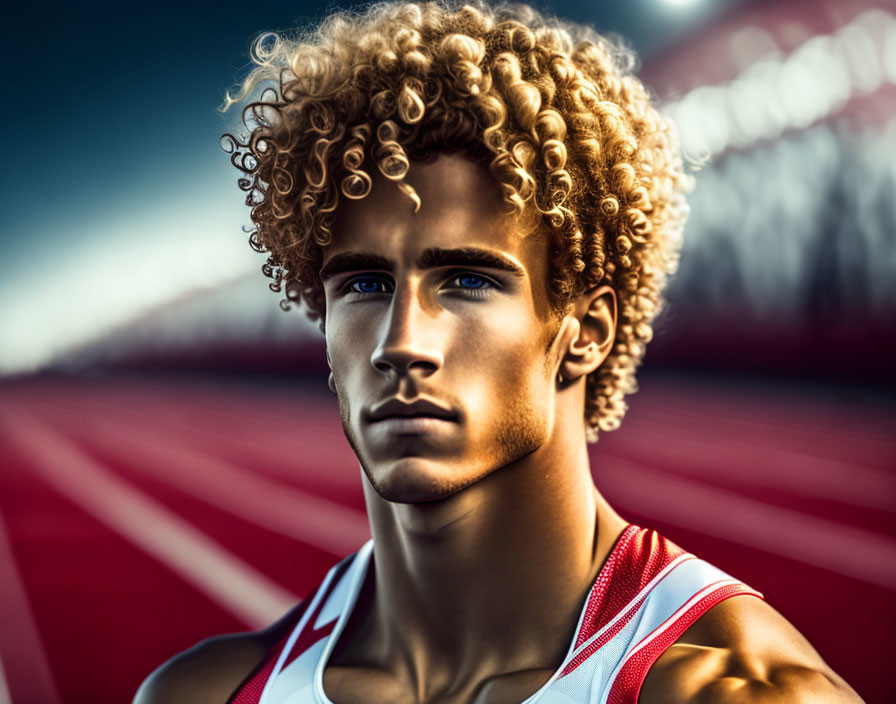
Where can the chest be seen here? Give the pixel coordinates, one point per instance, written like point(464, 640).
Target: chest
point(360, 686)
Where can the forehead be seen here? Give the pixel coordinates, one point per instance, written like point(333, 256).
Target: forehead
point(461, 206)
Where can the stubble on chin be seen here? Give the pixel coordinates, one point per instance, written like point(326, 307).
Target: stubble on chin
point(520, 430)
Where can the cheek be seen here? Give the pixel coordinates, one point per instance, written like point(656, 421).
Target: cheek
point(508, 356)
point(348, 342)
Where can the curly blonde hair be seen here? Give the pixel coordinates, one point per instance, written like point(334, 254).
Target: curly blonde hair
point(551, 107)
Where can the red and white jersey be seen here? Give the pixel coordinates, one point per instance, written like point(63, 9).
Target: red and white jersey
point(646, 595)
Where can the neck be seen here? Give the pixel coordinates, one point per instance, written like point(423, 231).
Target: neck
point(493, 578)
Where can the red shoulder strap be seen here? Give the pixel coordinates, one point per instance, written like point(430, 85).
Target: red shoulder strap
point(638, 556)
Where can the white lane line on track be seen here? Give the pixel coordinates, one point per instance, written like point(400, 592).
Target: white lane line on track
point(4, 690)
point(849, 551)
point(297, 514)
point(707, 457)
point(309, 449)
point(224, 578)
point(851, 421)
point(863, 454)
point(24, 660)
point(287, 510)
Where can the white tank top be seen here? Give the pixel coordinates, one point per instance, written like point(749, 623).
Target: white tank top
point(648, 592)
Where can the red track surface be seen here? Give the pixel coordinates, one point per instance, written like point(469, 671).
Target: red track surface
point(137, 518)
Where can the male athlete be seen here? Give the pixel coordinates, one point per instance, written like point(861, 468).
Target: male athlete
point(481, 207)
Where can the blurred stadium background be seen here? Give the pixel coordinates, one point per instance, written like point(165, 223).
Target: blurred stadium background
point(171, 466)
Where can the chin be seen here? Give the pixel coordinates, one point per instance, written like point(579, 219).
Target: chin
point(411, 480)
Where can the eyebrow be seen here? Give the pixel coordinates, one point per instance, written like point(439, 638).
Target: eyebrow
point(429, 259)
point(354, 261)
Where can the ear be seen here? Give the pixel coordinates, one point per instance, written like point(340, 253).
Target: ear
point(593, 331)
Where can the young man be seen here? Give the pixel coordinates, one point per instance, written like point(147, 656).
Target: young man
point(481, 208)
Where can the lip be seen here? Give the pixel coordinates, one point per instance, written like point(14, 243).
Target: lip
point(413, 425)
point(398, 411)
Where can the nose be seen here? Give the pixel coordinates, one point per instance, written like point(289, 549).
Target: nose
point(409, 337)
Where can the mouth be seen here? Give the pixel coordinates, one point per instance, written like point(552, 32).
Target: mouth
point(420, 416)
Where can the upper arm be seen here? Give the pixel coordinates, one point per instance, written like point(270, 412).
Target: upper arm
point(743, 650)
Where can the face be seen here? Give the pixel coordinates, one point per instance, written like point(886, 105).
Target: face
point(439, 332)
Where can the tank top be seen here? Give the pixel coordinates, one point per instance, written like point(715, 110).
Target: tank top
point(647, 593)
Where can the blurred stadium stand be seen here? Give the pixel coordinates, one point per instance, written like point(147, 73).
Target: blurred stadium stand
point(787, 120)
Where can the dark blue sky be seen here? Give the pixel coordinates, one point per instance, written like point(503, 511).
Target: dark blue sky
point(103, 101)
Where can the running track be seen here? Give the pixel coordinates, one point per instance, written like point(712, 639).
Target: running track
point(138, 517)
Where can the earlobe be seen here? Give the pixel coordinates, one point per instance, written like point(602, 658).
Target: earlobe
point(592, 334)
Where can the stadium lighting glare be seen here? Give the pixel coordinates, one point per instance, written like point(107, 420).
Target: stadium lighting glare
point(777, 93)
point(96, 293)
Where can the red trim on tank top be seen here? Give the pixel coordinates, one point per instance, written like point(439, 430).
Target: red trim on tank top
point(640, 555)
point(308, 637)
point(627, 685)
point(607, 636)
point(249, 691)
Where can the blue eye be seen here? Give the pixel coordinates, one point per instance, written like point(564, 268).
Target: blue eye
point(471, 281)
point(473, 285)
point(366, 284)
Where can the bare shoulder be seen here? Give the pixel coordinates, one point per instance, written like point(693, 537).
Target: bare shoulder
point(212, 669)
point(208, 672)
point(743, 650)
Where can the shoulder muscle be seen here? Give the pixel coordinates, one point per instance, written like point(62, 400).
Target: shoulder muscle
point(743, 650)
point(208, 672)
point(211, 670)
